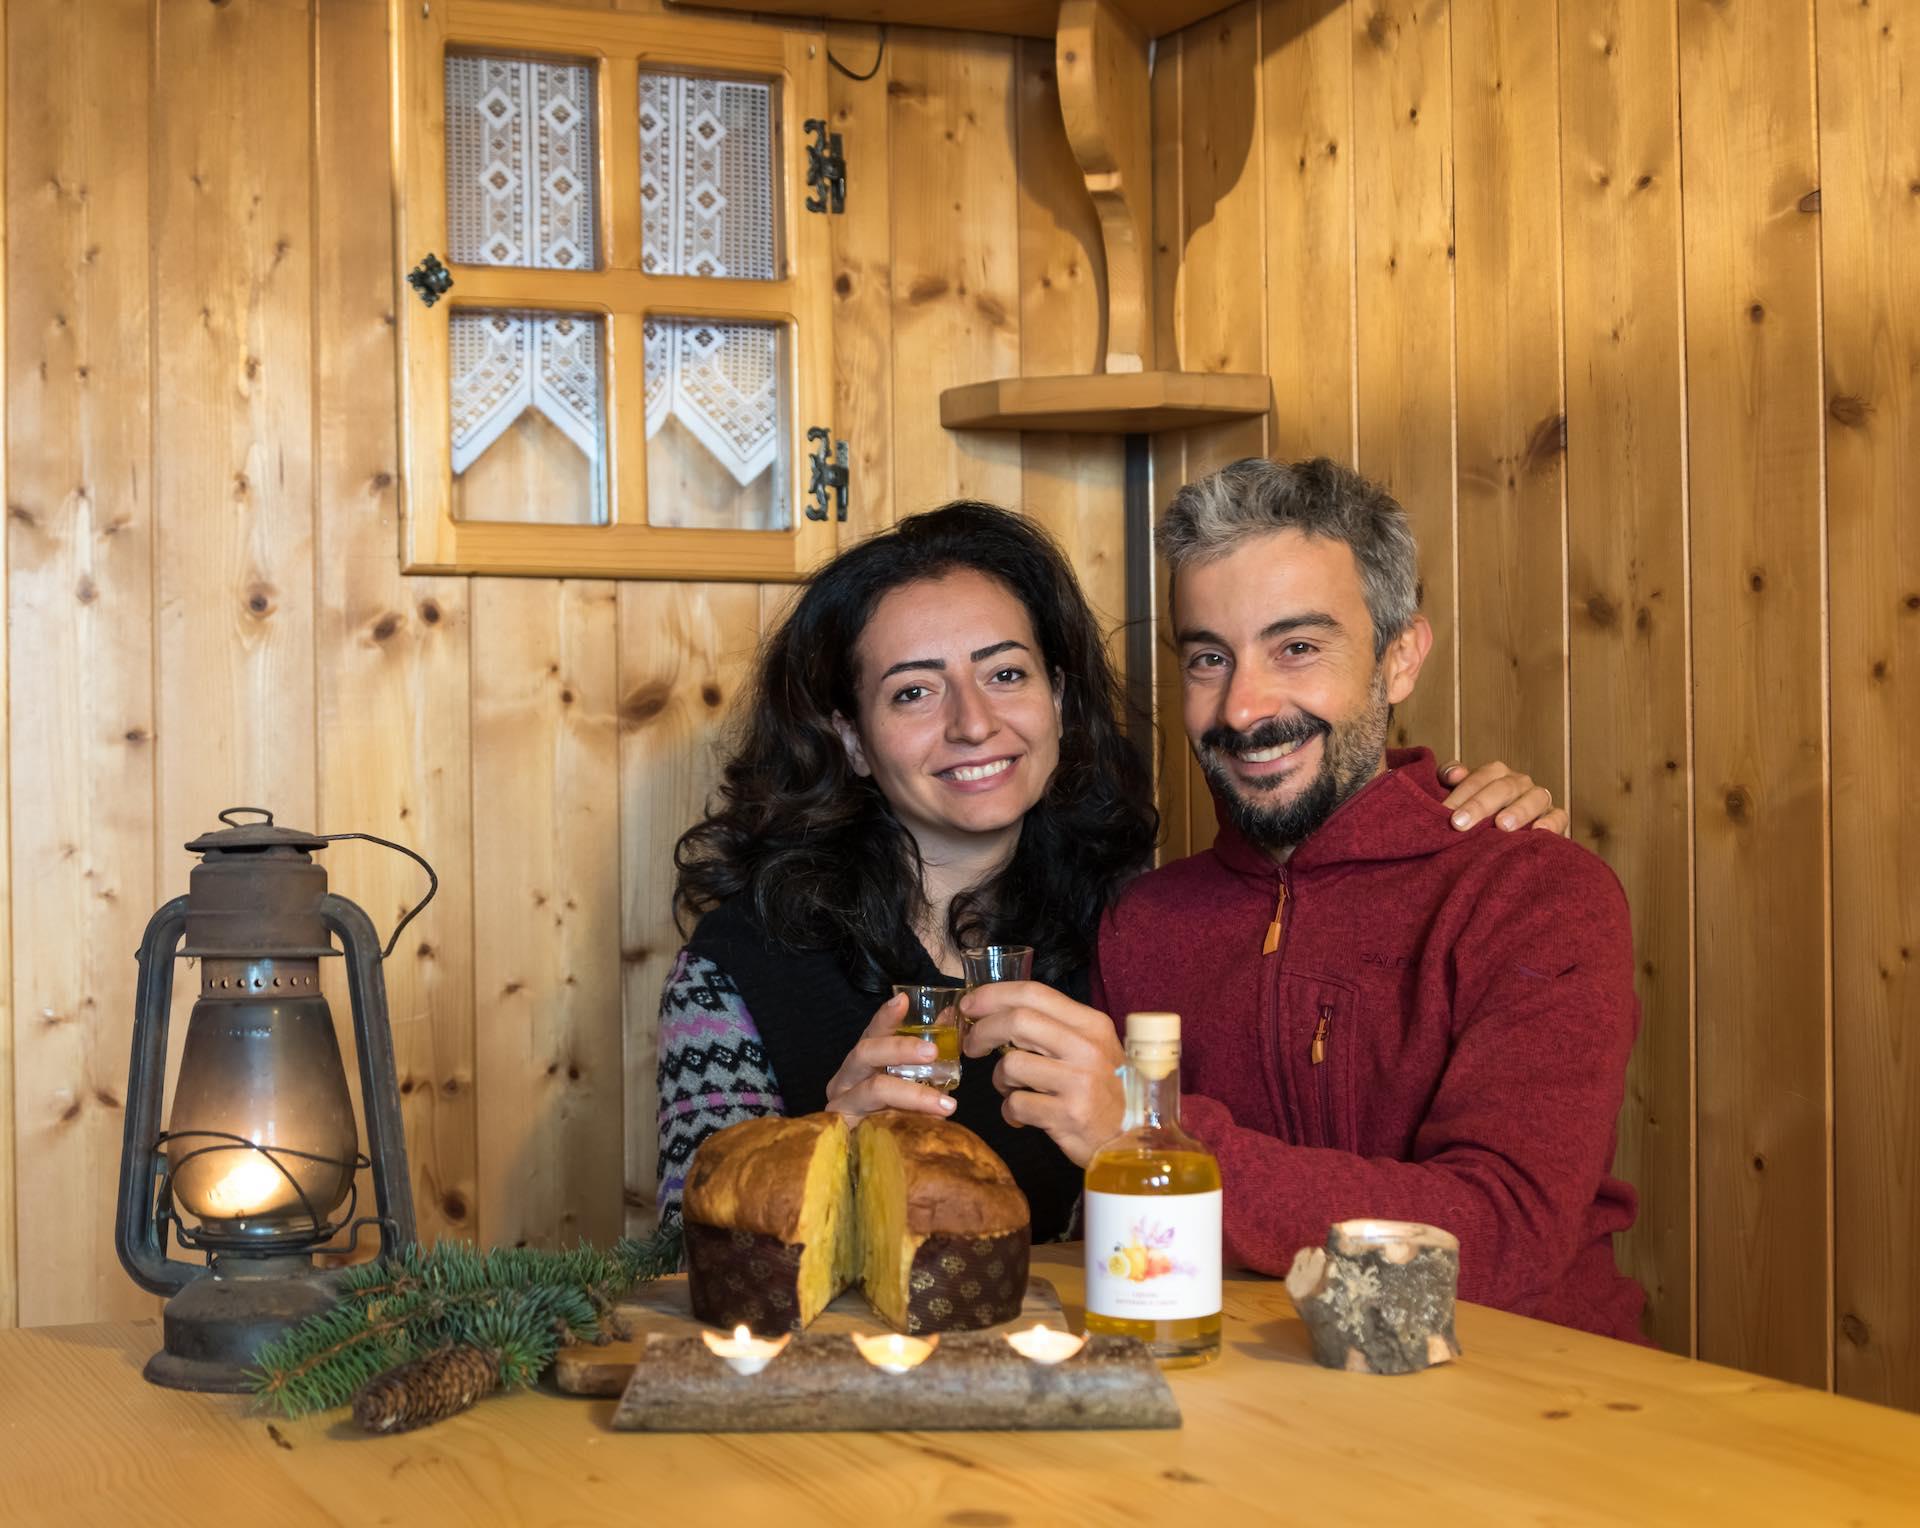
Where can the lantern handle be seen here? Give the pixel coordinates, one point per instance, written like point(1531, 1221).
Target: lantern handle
point(433, 880)
point(260, 811)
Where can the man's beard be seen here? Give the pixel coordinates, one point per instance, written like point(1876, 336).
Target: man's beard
point(1350, 758)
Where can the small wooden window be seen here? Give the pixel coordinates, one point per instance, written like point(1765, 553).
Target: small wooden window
point(620, 379)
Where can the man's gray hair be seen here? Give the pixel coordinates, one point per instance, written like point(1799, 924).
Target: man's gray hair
point(1211, 517)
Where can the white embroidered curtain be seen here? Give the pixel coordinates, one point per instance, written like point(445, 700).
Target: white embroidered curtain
point(520, 178)
point(707, 209)
point(520, 192)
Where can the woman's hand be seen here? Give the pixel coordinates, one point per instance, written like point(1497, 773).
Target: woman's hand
point(862, 1086)
point(1061, 1074)
point(1494, 788)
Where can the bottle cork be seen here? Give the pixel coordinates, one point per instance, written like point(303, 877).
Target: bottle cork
point(1153, 1043)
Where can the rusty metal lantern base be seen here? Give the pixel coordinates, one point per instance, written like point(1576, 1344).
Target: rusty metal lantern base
point(216, 1325)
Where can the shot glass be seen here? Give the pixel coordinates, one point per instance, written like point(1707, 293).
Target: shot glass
point(933, 1013)
point(997, 963)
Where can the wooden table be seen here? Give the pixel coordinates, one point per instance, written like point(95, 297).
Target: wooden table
point(1536, 1424)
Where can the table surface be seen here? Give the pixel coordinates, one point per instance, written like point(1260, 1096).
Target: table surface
point(1535, 1423)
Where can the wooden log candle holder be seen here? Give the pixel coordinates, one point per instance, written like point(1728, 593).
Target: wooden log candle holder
point(1378, 1298)
point(973, 1380)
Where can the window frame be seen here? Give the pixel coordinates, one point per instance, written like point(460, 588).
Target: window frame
point(616, 289)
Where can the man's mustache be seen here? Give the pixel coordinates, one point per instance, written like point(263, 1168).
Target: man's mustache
point(1274, 732)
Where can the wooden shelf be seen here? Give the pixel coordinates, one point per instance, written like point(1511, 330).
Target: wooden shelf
point(1022, 18)
point(1114, 403)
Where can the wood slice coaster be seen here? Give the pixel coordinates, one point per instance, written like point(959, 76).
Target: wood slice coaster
point(661, 1308)
point(820, 1383)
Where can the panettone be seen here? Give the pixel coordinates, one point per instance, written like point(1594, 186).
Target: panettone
point(780, 1215)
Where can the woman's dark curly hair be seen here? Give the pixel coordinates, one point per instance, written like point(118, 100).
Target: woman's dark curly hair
point(817, 848)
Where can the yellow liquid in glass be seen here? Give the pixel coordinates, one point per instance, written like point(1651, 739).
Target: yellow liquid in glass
point(1133, 1167)
point(943, 1072)
point(946, 1040)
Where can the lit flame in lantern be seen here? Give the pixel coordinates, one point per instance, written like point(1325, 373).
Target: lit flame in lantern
point(248, 1188)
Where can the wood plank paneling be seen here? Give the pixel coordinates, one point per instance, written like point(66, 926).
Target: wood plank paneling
point(1403, 274)
point(80, 529)
point(1222, 273)
point(1511, 420)
point(546, 873)
point(956, 277)
point(1631, 781)
point(1869, 83)
point(1753, 400)
point(862, 238)
point(1306, 95)
point(392, 681)
point(233, 405)
point(684, 651)
point(1070, 483)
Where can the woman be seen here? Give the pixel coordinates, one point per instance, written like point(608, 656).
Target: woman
point(930, 758)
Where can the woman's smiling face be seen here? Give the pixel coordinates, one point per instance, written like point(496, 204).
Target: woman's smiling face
point(959, 723)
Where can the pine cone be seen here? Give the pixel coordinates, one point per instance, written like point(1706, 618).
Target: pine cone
point(427, 1389)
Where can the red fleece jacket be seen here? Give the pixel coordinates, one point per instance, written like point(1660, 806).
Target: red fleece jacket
point(1439, 1033)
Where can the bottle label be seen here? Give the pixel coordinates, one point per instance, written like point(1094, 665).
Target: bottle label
point(1153, 1257)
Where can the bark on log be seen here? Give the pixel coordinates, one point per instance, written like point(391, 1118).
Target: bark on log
point(1378, 1298)
point(822, 1384)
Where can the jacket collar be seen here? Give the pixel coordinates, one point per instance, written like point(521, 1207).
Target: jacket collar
point(1395, 816)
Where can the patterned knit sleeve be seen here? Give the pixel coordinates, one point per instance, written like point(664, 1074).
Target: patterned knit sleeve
point(713, 1068)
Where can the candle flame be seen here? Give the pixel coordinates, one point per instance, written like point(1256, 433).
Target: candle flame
point(1045, 1344)
point(894, 1353)
point(743, 1352)
point(247, 1188)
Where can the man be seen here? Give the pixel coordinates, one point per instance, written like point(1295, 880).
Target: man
point(1382, 1016)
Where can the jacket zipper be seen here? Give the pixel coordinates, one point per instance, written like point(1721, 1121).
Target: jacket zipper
point(1317, 1054)
point(1277, 926)
point(1292, 1107)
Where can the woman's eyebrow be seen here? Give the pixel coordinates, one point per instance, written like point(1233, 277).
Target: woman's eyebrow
point(998, 647)
point(915, 663)
point(941, 663)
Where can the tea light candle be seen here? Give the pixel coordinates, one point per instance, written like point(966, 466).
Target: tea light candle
point(894, 1353)
point(743, 1352)
point(1046, 1344)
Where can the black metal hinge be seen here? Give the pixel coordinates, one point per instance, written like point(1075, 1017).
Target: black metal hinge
point(829, 475)
point(826, 169)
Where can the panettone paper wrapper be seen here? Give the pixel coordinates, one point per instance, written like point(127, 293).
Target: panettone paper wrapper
point(956, 1284)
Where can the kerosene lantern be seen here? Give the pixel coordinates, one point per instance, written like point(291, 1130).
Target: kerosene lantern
point(261, 1149)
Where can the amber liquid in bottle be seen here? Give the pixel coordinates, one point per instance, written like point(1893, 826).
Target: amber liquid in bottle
point(1150, 1224)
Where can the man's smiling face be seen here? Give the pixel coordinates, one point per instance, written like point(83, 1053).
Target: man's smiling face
point(1285, 703)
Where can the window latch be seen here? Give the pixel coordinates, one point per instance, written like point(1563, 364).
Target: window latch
point(430, 279)
point(829, 475)
point(826, 169)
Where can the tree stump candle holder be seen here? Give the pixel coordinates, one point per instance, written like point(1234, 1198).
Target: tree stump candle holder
point(1378, 1298)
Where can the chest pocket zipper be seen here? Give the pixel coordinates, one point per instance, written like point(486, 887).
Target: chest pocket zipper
point(1317, 1056)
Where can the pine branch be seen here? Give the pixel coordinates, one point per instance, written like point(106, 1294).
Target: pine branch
point(518, 1303)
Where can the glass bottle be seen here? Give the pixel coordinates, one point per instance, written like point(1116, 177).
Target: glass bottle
point(1153, 1213)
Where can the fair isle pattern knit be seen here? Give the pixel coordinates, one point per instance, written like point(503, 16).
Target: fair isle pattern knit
point(713, 1069)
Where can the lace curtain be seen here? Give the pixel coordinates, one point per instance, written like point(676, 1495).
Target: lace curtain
point(706, 199)
point(520, 192)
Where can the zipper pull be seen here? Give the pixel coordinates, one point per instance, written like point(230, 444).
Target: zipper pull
point(1319, 1051)
point(1273, 928)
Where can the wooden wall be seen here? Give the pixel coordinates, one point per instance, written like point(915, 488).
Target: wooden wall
point(206, 610)
point(1622, 299)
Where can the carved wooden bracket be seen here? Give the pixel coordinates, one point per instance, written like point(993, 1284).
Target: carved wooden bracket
point(1100, 58)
